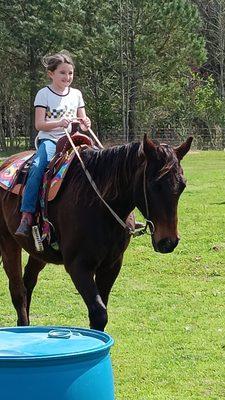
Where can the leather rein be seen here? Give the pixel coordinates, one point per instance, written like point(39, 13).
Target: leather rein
point(131, 232)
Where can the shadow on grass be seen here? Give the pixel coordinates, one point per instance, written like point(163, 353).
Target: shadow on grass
point(222, 203)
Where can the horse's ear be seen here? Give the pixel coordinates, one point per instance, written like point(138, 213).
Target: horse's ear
point(149, 148)
point(182, 150)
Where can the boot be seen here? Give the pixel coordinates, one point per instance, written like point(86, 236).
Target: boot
point(24, 228)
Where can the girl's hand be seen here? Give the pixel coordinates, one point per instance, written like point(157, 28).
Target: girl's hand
point(64, 122)
point(85, 123)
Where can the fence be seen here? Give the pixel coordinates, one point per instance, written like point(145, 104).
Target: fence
point(203, 139)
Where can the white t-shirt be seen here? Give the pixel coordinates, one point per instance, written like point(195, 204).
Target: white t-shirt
point(58, 106)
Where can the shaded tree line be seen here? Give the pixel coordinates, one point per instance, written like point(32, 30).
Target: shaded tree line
point(140, 64)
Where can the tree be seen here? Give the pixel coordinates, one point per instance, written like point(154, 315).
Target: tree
point(31, 30)
point(133, 58)
point(157, 42)
point(213, 15)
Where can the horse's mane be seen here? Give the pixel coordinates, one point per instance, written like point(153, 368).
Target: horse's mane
point(114, 168)
point(109, 168)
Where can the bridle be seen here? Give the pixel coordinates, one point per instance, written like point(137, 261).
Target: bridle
point(148, 221)
point(131, 232)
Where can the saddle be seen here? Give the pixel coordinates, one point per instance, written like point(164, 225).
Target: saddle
point(14, 172)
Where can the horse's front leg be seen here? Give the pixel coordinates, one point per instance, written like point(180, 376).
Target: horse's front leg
point(105, 277)
point(83, 279)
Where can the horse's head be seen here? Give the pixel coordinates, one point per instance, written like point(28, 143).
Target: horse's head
point(163, 184)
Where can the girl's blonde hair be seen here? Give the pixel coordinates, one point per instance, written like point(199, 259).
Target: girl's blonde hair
point(51, 62)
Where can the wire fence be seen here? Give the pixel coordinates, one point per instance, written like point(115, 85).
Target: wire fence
point(203, 138)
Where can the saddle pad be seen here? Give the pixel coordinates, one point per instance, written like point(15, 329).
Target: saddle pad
point(9, 174)
point(58, 177)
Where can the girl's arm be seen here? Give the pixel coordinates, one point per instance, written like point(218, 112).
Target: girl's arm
point(42, 125)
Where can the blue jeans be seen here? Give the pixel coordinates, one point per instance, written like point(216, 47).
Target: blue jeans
point(45, 152)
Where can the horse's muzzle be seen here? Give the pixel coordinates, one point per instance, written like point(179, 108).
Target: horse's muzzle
point(165, 245)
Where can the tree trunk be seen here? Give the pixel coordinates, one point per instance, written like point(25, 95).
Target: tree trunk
point(133, 82)
point(221, 42)
point(2, 133)
point(122, 80)
point(97, 108)
point(33, 91)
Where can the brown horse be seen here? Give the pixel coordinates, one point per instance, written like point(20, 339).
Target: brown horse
point(91, 241)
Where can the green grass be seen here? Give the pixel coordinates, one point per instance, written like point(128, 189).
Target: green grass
point(166, 312)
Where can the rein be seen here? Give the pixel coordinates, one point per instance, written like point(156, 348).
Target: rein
point(131, 232)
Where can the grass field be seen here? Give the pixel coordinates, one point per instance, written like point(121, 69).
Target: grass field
point(166, 312)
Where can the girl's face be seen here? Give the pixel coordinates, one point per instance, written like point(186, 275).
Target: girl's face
point(62, 76)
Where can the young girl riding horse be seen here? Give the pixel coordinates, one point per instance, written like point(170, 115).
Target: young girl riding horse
point(56, 106)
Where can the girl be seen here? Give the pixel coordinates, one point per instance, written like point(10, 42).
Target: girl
point(56, 106)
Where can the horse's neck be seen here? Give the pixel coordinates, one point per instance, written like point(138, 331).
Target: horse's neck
point(114, 172)
point(124, 177)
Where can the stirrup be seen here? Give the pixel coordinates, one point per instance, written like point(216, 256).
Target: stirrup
point(139, 225)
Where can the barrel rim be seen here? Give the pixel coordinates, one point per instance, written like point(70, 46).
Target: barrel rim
point(107, 343)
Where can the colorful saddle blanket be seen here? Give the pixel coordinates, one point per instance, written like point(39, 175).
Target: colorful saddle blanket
point(10, 169)
point(11, 173)
point(13, 177)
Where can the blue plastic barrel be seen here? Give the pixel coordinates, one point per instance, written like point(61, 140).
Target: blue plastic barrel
point(55, 363)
